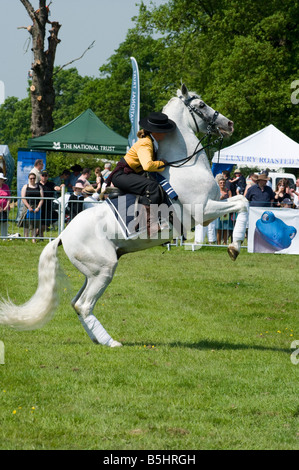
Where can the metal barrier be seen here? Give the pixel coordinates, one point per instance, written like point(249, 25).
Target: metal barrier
point(218, 233)
point(19, 222)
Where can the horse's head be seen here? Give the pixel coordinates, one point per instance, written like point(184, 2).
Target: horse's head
point(205, 119)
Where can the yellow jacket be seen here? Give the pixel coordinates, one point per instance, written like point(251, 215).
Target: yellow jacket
point(141, 156)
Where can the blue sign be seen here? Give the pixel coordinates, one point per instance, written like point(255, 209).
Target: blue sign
point(26, 159)
point(134, 104)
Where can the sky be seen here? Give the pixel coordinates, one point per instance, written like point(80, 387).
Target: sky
point(83, 21)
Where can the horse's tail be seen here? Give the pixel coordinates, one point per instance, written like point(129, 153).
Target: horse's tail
point(40, 309)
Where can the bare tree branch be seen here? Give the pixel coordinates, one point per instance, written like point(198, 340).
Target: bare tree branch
point(29, 8)
point(74, 60)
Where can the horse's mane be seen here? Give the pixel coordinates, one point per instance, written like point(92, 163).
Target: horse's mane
point(179, 93)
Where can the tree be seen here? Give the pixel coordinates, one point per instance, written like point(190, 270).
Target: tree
point(240, 55)
point(41, 89)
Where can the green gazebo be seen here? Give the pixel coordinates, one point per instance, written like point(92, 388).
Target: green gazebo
point(85, 134)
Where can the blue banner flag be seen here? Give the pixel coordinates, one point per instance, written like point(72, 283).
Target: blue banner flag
point(135, 104)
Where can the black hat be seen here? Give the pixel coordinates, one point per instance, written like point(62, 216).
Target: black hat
point(76, 167)
point(157, 122)
point(44, 173)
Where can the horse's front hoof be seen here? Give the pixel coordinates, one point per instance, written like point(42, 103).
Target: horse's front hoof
point(115, 344)
point(233, 252)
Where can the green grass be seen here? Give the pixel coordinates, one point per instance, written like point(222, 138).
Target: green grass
point(205, 363)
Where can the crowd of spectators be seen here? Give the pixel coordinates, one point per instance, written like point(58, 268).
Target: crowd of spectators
point(83, 190)
point(38, 209)
point(258, 190)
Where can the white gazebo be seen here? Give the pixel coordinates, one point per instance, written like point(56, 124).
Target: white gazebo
point(267, 148)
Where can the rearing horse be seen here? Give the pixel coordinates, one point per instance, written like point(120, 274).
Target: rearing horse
point(93, 243)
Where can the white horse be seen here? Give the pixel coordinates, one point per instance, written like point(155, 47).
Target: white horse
point(93, 241)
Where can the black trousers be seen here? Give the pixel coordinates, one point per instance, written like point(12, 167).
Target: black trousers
point(147, 188)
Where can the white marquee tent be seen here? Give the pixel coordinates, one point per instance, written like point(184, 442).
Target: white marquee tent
point(267, 148)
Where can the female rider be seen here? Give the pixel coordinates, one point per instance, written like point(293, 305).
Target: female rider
point(131, 173)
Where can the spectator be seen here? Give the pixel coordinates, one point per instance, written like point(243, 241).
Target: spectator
point(99, 178)
point(64, 178)
point(224, 224)
point(48, 214)
point(107, 170)
point(83, 178)
point(252, 179)
point(260, 194)
point(4, 205)
point(228, 184)
point(91, 197)
point(36, 170)
point(238, 183)
point(295, 194)
point(287, 203)
point(76, 172)
point(75, 202)
point(31, 191)
point(281, 192)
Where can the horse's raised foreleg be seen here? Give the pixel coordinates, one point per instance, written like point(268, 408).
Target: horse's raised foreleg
point(238, 204)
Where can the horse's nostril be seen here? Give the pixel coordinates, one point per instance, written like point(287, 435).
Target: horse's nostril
point(231, 123)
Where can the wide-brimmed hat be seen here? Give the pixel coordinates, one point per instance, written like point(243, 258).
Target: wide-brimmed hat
point(262, 176)
point(157, 122)
point(237, 170)
point(79, 185)
point(2, 177)
point(89, 190)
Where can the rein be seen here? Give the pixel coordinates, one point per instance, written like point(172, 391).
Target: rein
point(211, 127)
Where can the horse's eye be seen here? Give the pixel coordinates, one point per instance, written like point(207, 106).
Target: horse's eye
point(202, 104)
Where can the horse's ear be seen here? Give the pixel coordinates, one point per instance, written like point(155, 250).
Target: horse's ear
point(184, 91)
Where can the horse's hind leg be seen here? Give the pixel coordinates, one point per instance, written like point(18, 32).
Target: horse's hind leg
point(88, 330)
point(99, 273)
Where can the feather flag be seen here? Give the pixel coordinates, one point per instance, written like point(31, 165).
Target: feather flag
point(134, 104)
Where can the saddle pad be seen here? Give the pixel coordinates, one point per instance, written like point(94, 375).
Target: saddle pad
point(125, 209)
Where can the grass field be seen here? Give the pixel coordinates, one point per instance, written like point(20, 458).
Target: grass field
point(206, 362)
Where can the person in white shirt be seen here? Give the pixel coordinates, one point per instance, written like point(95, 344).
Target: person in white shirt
point(107, 170)
point(37, 169)
point(91, 197)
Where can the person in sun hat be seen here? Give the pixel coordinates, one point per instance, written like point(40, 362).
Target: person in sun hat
point(140, 161)
point(91, 196)
point(260, 194)
point(238, 183)
point(75, 202)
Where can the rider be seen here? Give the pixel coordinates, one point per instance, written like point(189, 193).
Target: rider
point(131, 172)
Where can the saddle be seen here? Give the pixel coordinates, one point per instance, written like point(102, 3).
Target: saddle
point(135, 218)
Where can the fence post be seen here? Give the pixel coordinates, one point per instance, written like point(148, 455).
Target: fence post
point(62, 209)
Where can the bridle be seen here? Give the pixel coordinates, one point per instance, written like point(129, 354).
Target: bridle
point(211, 127)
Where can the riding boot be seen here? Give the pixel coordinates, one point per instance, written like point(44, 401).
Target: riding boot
point(152, 226)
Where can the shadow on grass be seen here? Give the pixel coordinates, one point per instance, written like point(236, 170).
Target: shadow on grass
point(212, 345)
